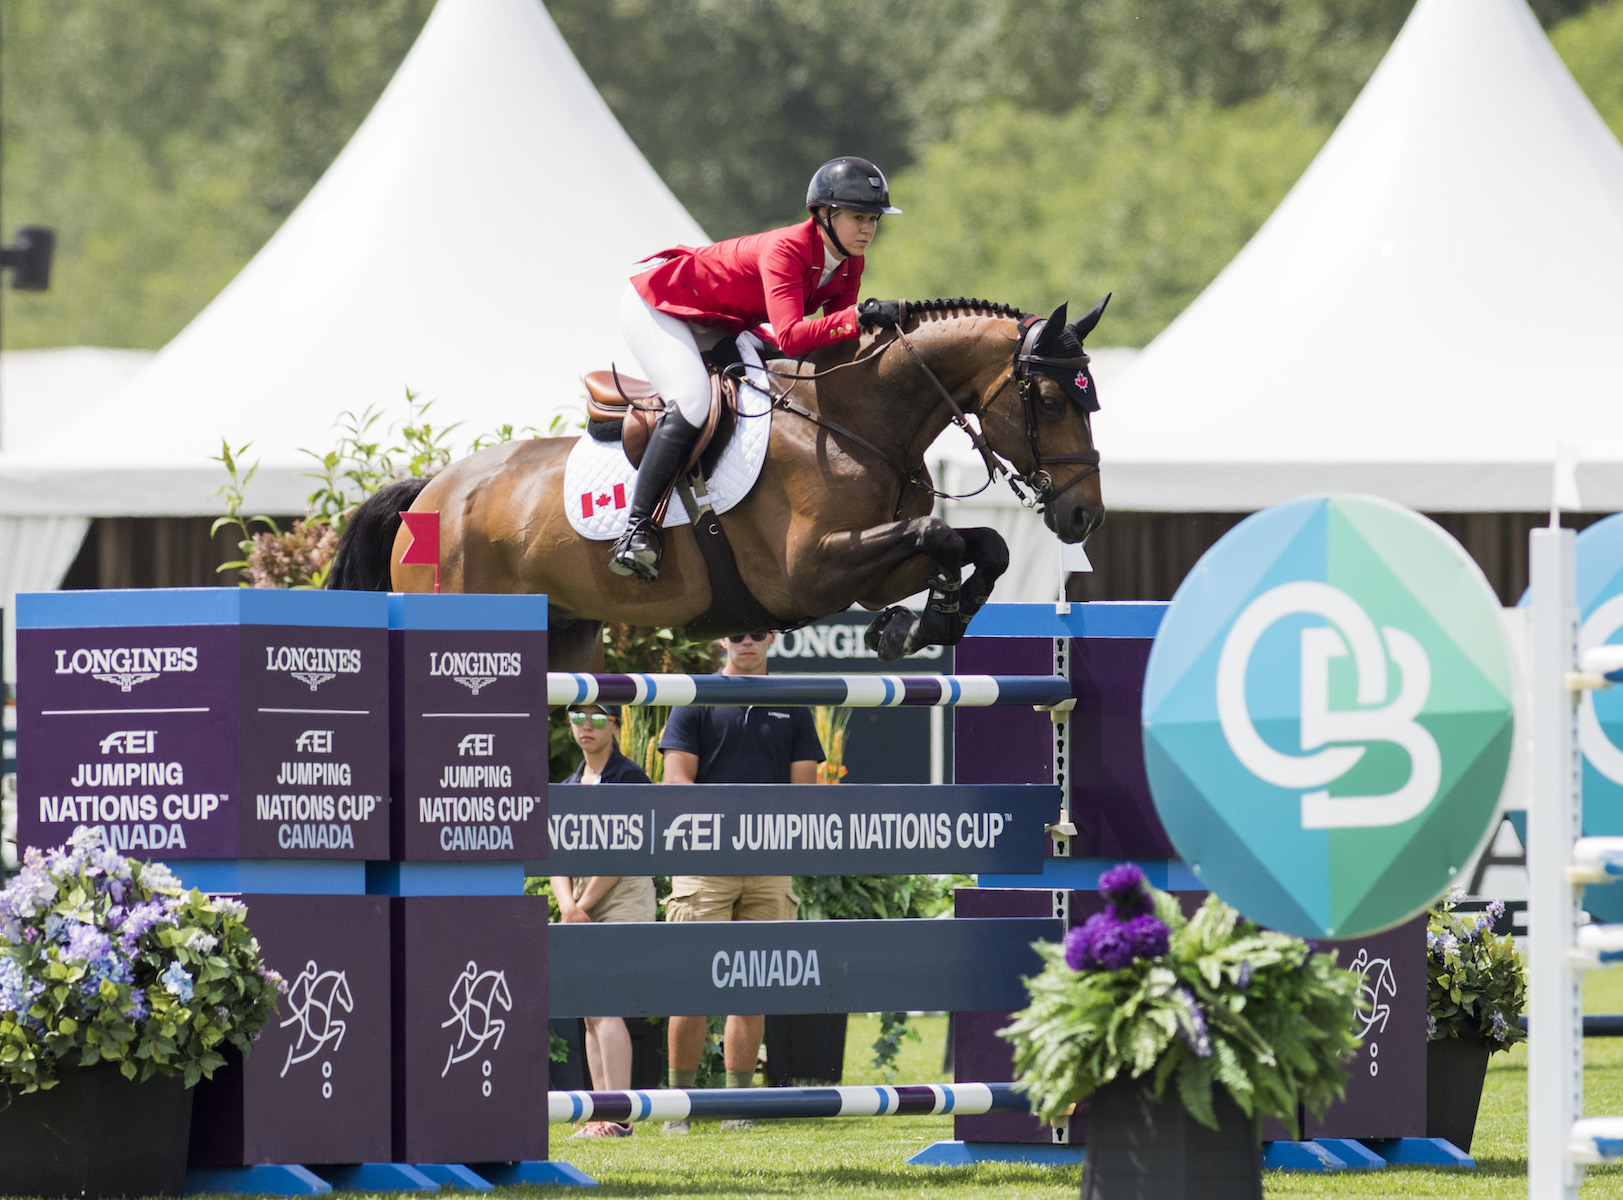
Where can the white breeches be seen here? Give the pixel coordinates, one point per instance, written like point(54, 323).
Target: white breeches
point(669, 353)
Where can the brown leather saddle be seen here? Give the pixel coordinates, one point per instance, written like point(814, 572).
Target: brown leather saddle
point(624, 408)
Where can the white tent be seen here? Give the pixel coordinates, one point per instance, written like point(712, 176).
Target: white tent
point(1429, 313)
point(470, 243)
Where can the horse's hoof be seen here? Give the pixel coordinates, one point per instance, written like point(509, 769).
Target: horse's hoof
point(876, 637)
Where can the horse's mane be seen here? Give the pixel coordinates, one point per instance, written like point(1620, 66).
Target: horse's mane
point(965, 303)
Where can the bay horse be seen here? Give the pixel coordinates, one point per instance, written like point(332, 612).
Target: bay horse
point(839, 515)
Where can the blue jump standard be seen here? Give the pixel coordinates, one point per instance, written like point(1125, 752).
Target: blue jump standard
point(967, 1154)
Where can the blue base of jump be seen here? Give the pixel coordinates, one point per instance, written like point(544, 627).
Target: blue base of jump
point(560, 1174)
point(457, 1176)
point(378, 1177)
point(1355, 1154)
point(1301, 1156)
point(263, 1179)
point(967, 1154)
point(1422, 1152)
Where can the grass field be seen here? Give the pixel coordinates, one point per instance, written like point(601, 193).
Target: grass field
point(856, 1157)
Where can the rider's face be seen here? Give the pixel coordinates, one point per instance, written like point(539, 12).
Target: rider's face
point(854, 229)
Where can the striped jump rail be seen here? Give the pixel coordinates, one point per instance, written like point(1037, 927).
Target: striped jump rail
point(679, 1104)
point(842, 691)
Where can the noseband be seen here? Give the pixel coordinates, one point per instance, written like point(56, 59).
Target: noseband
point(1027, 365)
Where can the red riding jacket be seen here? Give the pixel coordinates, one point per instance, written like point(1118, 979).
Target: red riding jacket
point(737, 284)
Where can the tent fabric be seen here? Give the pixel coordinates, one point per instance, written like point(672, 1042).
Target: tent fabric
point(35, 553)
point(1431, 311)
point(41, 389)
point(470, 243)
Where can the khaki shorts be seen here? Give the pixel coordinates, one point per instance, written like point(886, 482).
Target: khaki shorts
point(731, 898)
point(632, 899)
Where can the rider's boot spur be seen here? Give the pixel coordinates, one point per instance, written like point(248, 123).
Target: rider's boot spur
point(640, 547)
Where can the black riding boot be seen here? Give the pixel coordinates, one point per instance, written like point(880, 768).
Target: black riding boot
point(640, 546)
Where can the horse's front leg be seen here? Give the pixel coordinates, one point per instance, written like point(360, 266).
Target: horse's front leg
point(988, 553)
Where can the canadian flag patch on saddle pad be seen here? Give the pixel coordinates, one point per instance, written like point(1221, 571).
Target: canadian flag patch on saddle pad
point(599, 480)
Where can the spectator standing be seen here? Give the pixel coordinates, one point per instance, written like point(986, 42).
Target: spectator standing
point(604, 898)
point(758, 743)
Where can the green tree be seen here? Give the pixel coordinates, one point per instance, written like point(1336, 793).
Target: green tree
point(1033, 209)
point(1592, 47)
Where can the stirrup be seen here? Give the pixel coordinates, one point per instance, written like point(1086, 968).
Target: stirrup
point(638, 551)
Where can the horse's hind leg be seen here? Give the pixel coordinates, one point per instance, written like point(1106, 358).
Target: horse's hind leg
point(574, 645)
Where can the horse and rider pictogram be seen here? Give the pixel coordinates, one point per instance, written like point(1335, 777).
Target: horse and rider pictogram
point(314, 997)
point(474, 998)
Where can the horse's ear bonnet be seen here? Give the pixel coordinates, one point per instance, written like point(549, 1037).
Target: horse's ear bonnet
point(1058, 340)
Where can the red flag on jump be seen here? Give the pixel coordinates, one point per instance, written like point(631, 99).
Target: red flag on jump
point(424, 548)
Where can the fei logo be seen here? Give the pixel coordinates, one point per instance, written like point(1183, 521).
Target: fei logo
point(1329, 737)
point(1328, 715)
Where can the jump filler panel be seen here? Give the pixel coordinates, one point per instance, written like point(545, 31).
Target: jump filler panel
point(470, 727)
point(206, 722)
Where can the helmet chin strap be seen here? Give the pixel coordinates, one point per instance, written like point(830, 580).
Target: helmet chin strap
point(826, 223)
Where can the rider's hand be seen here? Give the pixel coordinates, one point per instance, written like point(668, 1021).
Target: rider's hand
point(879, 314)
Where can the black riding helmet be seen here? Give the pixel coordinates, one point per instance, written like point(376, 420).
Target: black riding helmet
point(853, 183)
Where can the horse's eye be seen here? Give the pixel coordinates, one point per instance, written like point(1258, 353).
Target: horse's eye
point(1050, 403)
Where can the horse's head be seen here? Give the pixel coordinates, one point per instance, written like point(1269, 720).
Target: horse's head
point(1048, 434)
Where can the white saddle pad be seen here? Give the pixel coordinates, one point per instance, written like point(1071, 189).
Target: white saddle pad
point(598, 479)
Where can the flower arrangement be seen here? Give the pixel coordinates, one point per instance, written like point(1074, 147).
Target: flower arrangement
point(1476, 986)
point(1140, 991)
point(107, 959)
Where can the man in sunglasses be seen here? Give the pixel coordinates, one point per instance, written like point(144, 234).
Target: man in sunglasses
point(604, 898)
point(733, 744)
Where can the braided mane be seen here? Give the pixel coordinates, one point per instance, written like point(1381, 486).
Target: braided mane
point(968, 303)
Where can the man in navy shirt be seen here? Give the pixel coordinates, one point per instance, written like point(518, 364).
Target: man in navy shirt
point(733, 744)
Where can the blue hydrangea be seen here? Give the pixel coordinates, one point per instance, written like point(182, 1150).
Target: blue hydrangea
point(177, 982)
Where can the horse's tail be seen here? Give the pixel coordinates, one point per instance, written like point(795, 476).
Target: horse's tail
point(362, 561)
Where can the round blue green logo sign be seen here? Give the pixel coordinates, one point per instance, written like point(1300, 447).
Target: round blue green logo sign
point(1328, 715)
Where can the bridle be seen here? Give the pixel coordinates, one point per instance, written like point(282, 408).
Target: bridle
point(1025, 365)
point(1022, 372)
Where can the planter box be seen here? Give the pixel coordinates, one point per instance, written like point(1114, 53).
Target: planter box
point(1141, 1148)
point(805, 1049)
point(468, 739)
point(97, 1134)
point(205, 723)
point(1455, 1071)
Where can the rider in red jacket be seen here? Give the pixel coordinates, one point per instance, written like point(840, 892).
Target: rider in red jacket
point(692, 297)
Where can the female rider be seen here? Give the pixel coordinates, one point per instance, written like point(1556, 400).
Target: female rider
point(691, 298)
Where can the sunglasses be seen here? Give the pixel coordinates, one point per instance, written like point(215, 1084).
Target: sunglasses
point(596, 720)
point(736, 638)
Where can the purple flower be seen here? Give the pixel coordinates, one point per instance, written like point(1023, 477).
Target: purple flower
point(1112, 946)
point(87, 943)
point(1496, 909)
point(1126, 889)
point(1192, 1028)
point(1501, 1029)
point(1080, 947)
point(1148, 936)
point(139, 921)
point(1243, 979)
